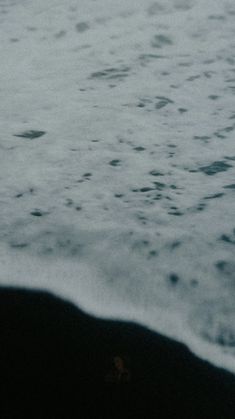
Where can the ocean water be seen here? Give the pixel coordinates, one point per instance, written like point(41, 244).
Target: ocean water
point(117, 161)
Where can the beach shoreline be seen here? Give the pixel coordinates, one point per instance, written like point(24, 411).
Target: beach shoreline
point(57, 362)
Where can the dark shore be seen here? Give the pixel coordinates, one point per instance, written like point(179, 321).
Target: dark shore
point(57, 362)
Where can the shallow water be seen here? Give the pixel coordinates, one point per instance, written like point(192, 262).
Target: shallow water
point(117, 161)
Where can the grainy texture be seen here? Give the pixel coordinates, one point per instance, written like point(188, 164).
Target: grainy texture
point(57, 362)
point(117, 161)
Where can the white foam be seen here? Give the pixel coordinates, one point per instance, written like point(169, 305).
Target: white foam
point(145, 89)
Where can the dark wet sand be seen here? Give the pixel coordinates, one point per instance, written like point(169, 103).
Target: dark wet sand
point(57, 362)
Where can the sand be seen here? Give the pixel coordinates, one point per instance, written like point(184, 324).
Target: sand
point(57, 362)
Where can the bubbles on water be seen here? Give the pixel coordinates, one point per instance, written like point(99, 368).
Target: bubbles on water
point(115, 162)
point(38, 213)
point(231, 186)
point(32, 134)
point(139, 148)
point(156, 173)
point(183, 5)
point(227, 268)
point(162, 102)
point(157, 8)
point(215, 167)
point(111, 74)
point(228, 238)
point(203, 138)
point(162, 7)
point(56, 242)
point(60, 34)
point(215, 196)
point(161, 41)
point(82, 27)
point(174, 279)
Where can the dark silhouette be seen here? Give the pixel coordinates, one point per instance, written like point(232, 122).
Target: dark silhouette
point(57, 362)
